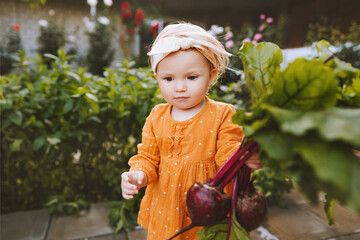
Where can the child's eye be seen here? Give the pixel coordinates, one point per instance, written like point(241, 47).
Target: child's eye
point(169, 79)
point(193, 77)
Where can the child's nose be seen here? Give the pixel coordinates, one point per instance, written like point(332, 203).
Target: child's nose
point(180, 86)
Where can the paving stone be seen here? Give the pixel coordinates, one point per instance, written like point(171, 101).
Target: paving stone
point(25, 225)
point(138, 234)
point(119, 236)
point(302, 220)
point(91, 223)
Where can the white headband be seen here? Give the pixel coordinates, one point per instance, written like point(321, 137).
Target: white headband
point(168, 45)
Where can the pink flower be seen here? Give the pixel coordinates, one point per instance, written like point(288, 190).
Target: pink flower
point(246, 40)
point(261, 28)
point(228, 35)
point(229, 44)
point(269, 20)
point(258, 36)
point(262, 16)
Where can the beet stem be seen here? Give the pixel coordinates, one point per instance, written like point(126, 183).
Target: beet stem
point(183, 230)
point(230, 173)
point(229, 163)
point(233, 202)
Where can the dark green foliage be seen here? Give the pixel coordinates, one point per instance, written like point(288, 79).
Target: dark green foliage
point(273, 185)
point(49, 116)
point(100, 53)
point(350, 54)
point(123, 215)
point(9, 51)
point(51, 38)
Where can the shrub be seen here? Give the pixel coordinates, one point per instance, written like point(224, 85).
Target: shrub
point(67, 135)
point(100, 53)
point(51, 38)
point(9, 51)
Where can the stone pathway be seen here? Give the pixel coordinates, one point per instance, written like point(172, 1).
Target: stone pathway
point(300, 221)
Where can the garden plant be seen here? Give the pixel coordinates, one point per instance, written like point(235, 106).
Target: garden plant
point(67, 134)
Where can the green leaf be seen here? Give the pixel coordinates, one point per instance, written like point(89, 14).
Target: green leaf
point(52, 56)
point(68, 106)
point(91, 96)
point(220, 231)
point(331, 124)
point(215, 232)
point(330, 166)
point(237, 231)
point(38, 143)
point(16, 145)
point(329, 207)
point(305, 85)
point(53, 140)
point(336, 166)
point(16, 117)
point(119, 225)
point(261, 62)
point(282, 150)
point(322, 48)
point(351, 93)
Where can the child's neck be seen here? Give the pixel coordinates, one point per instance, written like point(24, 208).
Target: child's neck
point(185, 114)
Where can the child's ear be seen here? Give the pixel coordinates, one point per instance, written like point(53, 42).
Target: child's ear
point(213, 75)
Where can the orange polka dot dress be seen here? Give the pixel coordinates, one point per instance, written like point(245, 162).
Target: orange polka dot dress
point(175, 155)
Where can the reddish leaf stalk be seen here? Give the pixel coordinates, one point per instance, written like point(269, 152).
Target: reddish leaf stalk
point(228, 171)
point(233, 202)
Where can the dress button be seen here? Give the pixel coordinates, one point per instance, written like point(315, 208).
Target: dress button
point(178, 127)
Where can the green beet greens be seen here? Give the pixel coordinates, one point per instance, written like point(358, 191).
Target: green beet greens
point(306, 121)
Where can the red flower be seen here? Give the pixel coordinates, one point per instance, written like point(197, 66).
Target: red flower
point(127, 14)
point(154, 29)
point(130, 31)
point(124, 5)
point(139, 16)
point(16, 27)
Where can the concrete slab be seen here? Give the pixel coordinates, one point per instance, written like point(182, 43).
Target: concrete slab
point(25, 225)
point(304, 221)
point(119, 236)
point(91, 223)
point(138, 234)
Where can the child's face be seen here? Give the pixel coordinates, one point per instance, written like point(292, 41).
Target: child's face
point(184, 78)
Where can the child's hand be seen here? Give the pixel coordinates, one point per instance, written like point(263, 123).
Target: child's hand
point(253, 162)
point(131, 182)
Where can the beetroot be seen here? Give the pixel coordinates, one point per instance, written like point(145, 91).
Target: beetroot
point(250, 204)
point(207, 206)
point(251, 209)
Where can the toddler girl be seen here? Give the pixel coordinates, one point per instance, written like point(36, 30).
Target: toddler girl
point(187, 139)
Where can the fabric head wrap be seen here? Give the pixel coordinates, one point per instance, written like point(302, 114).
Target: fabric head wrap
point(167, 45)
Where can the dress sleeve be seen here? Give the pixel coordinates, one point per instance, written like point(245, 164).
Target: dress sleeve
point(148, 157)
point(229, 137)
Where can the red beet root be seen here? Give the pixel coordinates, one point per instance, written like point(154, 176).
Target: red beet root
point(206, 205)
point(251, 210)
